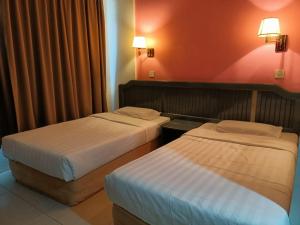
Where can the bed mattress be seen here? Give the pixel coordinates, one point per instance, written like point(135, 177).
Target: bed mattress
point(72, 149)
point(210, 178)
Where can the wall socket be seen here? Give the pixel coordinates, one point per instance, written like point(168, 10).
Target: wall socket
point(151, 74)
point(279, 74)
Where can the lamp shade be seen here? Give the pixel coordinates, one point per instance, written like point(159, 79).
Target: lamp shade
point(139, 42)
point(269, 27)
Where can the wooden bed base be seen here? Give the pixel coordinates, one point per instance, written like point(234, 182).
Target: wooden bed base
point(74, 192)
point(123, 217)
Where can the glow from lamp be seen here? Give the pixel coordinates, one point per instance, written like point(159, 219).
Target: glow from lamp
point(269, 27)
point(139, 42)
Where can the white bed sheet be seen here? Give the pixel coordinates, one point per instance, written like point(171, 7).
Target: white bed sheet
point(71, 149)
point(169, 186)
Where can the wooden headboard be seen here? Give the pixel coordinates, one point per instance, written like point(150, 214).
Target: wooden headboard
point(216, 101)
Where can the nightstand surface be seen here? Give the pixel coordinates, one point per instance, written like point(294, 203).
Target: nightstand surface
point(175, 128)
point(182, 125)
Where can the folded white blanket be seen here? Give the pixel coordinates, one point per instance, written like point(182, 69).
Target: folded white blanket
point(71, 149)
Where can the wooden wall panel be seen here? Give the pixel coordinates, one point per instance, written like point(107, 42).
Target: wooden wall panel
point(210, 103)
point(147, 97)
point(275, 109)
point(216, 101)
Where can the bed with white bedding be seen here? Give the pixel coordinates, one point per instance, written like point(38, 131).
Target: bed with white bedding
point(69, 151)
point(210, 178)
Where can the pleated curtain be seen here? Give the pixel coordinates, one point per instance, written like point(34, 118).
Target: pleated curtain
point(52, 65)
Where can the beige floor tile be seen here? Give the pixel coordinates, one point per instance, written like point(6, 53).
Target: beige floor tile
point(65, 216)
point(96, 210)
point(104, 217)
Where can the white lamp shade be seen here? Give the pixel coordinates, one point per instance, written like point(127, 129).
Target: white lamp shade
point(139, 42)
point(269, 27)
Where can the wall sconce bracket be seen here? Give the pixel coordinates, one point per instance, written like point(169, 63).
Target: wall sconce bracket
point(281, 43)
point(139, 51)
point(150, 52)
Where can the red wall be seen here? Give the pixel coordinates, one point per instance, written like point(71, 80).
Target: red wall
point(216, 40)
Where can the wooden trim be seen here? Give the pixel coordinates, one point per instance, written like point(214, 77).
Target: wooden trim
point(253, 105)
point(206, 85)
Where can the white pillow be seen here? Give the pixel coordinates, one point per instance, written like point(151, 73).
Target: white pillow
point(141, 113)
point(242, 127)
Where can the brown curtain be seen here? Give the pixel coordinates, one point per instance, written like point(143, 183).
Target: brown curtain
point(52, 65)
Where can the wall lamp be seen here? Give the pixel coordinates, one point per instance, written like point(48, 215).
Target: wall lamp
point(140, 43)
point(270, 30)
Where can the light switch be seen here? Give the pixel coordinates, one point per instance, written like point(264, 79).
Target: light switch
point(279, 74)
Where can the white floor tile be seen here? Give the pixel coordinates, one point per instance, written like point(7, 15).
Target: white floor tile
point(295, 206)
point(3, 163)
point(14, 211)
point(2, 190)
point(6, 179)
point(57, 212)
point(40, 201)
point(44, 220)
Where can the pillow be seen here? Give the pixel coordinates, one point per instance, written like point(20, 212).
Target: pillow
point(141, 113)
point(242, 127)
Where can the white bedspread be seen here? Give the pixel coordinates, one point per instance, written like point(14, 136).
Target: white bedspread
point(204, 178)
point(71, 149)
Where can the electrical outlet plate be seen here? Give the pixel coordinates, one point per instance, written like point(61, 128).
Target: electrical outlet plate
point(151, 74)
point(279, 74)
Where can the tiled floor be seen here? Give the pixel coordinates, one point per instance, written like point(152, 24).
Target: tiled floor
point(22, 206)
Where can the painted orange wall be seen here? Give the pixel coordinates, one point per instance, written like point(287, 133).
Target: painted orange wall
point(216, 40)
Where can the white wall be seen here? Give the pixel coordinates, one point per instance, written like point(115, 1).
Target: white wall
point(119, 15)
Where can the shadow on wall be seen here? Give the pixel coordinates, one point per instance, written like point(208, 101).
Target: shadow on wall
point(120, 56)
point(253, 72)
point(202, 40)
